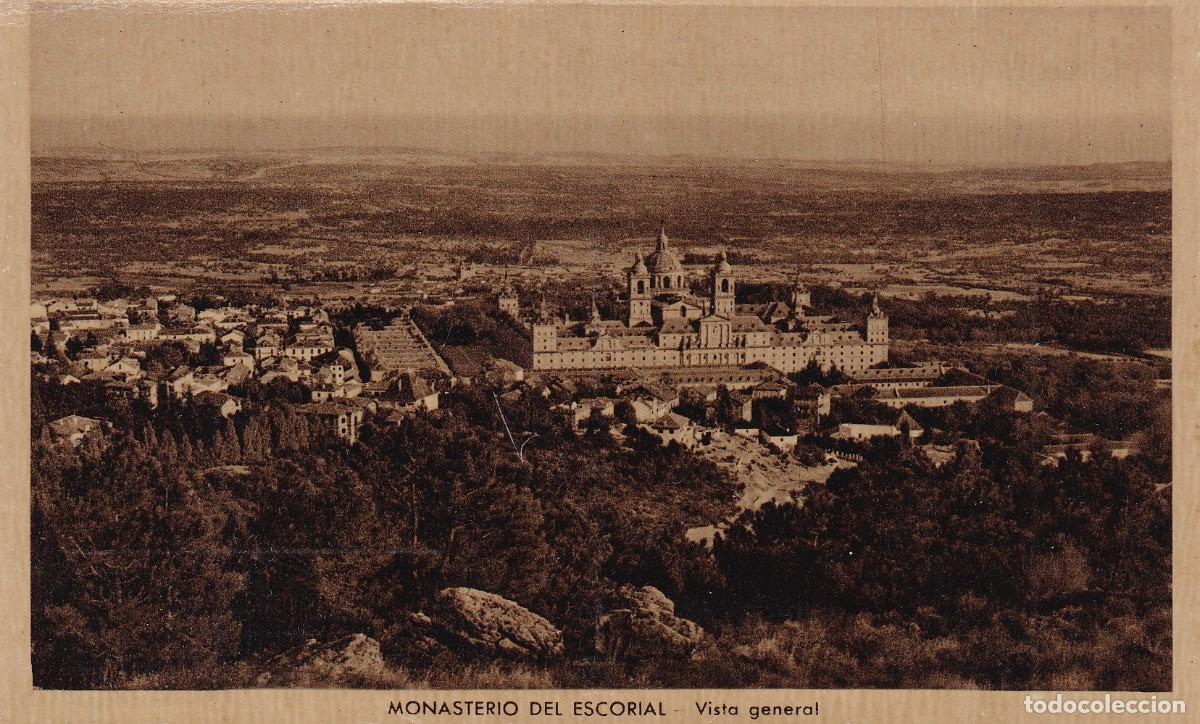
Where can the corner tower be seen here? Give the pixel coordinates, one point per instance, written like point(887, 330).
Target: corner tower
point(801, 297)
point(877, 323)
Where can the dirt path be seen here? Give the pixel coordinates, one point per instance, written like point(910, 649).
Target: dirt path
point(762, 473)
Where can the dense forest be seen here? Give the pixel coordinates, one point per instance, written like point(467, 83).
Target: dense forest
point(180, 548)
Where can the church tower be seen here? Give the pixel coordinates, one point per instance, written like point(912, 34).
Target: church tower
point(544, 329)
point(507, 299)
point(639, 293)
point(723, 289)
point(877, 323)
point(508, 302)
point(801, 297)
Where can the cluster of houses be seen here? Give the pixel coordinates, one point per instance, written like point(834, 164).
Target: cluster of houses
point(389, 371)
point(110, 341)
point(681, 405)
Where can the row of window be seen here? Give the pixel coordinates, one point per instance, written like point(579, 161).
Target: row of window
point(787, 360)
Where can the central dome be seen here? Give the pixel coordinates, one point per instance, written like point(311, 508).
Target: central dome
point(663, 260)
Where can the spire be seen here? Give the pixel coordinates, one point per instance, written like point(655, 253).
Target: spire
point(662, 239)
point(876, 311)
point(595, 310)
point(723, 264)
point(639, 265)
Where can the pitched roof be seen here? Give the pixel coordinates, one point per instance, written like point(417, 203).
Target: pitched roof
point(746, 323)
point(671, 421)
point(336, 406)
point(1010, 395)
point(676, 326)
point(924, 392)
point(215, 399)
point(776, 310)
point(413, 387)
point(652, 389)
point(899, 373)
point(771, 386)
point(72, 424)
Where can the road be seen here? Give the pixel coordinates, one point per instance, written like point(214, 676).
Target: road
point(763, 475)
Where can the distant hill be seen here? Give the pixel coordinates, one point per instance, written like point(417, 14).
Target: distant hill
point(365, 164)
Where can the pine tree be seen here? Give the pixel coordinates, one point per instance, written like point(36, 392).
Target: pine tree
point(256, 439)
point(167, 449)
point(229, 450)
point(187, 452)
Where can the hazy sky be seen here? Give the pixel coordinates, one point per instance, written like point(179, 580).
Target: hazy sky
point(939, 86)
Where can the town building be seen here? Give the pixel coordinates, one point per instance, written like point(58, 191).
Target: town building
point(73, 428)
point(143, 332)
point(310, 343)
point(779, 440)
point(672, 427)
point(339, 417)
point(944, 396)
point(886, 378)
point(866, 431)
point(414, 394)
point(179, 381)
point(218, 402)
point(139, 389)
point(1084, 445)
point(583, 410)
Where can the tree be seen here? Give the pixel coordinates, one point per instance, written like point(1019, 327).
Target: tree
point(775, 415)
point(814, 374)
point(99, 594)
point(162, 358)
point(624, 412)
point(727, 409)
point(209, 355)
point(73, 347)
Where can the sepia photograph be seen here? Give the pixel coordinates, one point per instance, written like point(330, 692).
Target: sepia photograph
point(439, 347)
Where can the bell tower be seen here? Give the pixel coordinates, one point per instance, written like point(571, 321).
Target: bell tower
point(639, 293)
point(723, 288)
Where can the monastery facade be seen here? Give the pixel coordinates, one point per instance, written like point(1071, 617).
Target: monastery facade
point(667, 326)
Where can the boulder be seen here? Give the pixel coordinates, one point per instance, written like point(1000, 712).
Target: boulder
point(336, 663)
point(480, 624)
point(646, 627)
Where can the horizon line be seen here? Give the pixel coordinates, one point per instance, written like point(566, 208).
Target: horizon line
point(49, 150)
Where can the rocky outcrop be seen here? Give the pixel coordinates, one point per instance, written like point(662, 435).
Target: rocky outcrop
point(646, 627)
point(476, 623)
point(345, 661)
